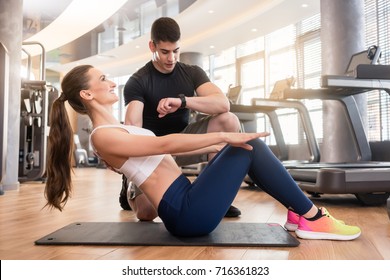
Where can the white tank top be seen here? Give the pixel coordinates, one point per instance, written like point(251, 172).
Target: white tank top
point(136, 169)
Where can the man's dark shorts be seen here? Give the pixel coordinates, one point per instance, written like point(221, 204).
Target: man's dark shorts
point(198, 127)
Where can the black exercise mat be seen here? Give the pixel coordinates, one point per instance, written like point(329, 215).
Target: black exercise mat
point(155, 234)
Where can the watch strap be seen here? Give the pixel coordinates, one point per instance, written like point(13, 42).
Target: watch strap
point(183, 101)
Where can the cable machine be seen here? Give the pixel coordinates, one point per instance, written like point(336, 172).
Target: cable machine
point(36, 99)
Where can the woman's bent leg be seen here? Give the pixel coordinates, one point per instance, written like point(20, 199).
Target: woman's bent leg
point(199, 207)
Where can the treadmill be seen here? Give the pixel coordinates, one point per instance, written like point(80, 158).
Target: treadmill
point(368, 180)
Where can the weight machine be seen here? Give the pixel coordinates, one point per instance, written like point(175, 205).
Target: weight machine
point(36, 99)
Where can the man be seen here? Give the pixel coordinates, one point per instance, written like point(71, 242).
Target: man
point(161, 95)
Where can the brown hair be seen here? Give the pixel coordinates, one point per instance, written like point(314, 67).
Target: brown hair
point(60, 143)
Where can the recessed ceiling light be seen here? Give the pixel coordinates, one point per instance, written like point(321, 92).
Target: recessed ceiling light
point(305, 5)
point(212, 47)
point(106, 56)
point(137, 46)
point(254, 29)
point(211, 12)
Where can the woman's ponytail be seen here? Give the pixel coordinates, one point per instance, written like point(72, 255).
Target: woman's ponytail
point(59, 164)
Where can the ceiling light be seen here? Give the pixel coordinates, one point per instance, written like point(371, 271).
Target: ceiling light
point(106, 56)
point(305, 5)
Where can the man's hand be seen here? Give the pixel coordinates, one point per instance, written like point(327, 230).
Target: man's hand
point(167, 106)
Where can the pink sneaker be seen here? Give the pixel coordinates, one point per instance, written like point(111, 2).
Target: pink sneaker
point(326, 227)
point(292, 221)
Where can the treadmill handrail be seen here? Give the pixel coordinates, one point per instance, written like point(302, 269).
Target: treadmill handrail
point(268, 106)
point(270, 112)
point(353, 114)
point(305, 118)
point(342, 89)
point(355, 83)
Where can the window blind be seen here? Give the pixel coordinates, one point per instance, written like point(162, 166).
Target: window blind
point(377, 18)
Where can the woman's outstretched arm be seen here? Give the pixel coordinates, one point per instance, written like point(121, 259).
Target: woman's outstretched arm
point(116, 145)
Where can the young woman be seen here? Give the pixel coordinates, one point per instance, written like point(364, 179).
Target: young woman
point(187, 209)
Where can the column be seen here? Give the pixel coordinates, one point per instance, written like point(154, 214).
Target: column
point(342, 34)
point(11, 21)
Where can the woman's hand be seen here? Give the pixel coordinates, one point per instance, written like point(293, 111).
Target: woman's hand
point(241, 139)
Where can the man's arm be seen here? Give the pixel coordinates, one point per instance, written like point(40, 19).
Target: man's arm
point(209, 100)
point(134, 113)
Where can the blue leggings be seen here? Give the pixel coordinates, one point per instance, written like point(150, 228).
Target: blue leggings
point(195, 209)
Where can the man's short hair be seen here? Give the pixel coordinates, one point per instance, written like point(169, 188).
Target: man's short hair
point(165, 29)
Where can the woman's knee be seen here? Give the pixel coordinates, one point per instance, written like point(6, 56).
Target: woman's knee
point(259, 145)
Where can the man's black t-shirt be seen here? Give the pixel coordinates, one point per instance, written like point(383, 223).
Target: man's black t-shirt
point(149, 86)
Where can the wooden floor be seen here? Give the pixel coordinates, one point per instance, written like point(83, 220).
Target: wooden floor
point(95, 199)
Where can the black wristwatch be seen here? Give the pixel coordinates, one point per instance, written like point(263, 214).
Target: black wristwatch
point(183, 101)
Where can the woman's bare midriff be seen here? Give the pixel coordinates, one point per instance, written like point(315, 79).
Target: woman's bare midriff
point(159, 181)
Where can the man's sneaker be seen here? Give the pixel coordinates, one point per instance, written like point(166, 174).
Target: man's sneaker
point(292, 221)
point(123, 194)
point(233, 212)
point(326, 227)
